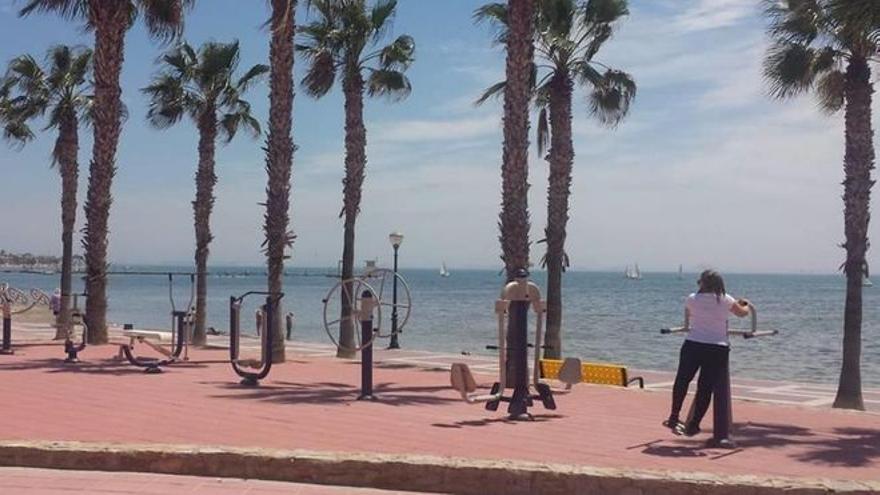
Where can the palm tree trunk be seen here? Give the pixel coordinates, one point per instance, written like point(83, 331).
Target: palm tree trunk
point(66, 150)
point(206, 179)
point(514, 217)
point(355, 162)
point(111, 20)
point(279, 156)
point(561, 159)
point(857, 163)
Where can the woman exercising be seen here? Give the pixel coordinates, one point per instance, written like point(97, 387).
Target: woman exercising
point(706, 348)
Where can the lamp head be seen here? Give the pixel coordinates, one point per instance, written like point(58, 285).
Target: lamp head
point(396, 238)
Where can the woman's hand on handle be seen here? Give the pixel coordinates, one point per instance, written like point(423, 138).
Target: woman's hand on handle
point(741, 308)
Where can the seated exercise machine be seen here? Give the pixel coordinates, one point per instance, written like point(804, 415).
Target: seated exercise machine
point(722, 409)
point(512, 310)
point(181, 327)
point(264, 364)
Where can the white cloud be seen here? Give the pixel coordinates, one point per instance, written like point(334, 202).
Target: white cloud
point(417, 130)
point(705, 15)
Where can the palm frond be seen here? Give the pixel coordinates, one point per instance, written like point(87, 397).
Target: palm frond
point(610, 101)
point(67, 9)
point(181, 59)
point(597, 12)
point(542, 136)
point(231, 122)
point(164, 18)
point(321, 74)
point(381, 17)
point(494, 91)
point(858, 23)
point(496, 16)
point(216, 63)
point(788, 69)
point(398, 55)
point(795, 21)
point(253, 75)
point(17, 133)
point(168, 101)
point(830, 91)
point(556, 18)
point(391, 84)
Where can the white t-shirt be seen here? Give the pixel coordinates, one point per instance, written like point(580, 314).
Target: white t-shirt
point(708, 317)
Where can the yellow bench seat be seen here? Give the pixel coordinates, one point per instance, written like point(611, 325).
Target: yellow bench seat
point(598, 373)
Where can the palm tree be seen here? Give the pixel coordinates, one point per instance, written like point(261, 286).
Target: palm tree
point(279, 155)
point(827, 46)
point(203, 86)
point(514, 217)
point(110, 20)
point(344, 38)
point(61, 88)
point(569, 34)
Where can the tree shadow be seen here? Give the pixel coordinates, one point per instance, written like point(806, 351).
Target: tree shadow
point(336, 393)
point(58, 365)
point(844, 447)
point(855, 447)
point(103, 366)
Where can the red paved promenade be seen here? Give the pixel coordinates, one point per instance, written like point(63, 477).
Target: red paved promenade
point(20, 481)
point(309, 403)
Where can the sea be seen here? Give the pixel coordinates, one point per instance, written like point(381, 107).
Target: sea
point(606, 317)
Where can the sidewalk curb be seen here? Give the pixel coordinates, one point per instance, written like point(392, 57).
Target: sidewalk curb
point(402, 472)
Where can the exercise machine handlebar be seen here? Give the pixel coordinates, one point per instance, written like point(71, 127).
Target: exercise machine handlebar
point(749, 333)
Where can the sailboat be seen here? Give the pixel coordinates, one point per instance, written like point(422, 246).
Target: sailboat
point(866, 282)
point(680, 275)
point(633, 274)
point(443, 271)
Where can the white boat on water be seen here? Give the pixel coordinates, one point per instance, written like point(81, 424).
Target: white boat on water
point(443, 271)
point(866, 282)
point(680, 274)
point(633, 273)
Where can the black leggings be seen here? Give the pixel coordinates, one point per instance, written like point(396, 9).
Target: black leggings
point(711, 360)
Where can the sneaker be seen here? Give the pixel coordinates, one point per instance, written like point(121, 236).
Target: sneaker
point(687, 430)
point(673, 424)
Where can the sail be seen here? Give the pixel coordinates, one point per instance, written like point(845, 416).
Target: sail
point(443, 271)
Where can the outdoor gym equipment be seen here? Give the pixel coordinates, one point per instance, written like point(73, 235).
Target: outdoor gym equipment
point(348, 291)
point(181, 324)
point(264, 364)
point(362, 310)
point(511, 310)
point(8, 297)
point(722, 408)
point(77, 317)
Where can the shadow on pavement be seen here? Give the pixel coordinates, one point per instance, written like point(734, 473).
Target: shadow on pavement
point(536, 418)
point(335, 393)
point(848, 447)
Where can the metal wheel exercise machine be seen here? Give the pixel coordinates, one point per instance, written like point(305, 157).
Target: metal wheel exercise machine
point(722, 408)
point(511, 310)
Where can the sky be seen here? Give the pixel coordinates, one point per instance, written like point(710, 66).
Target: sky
point(706, 170)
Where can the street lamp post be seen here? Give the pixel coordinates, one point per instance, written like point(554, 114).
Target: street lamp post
point(396, 239)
